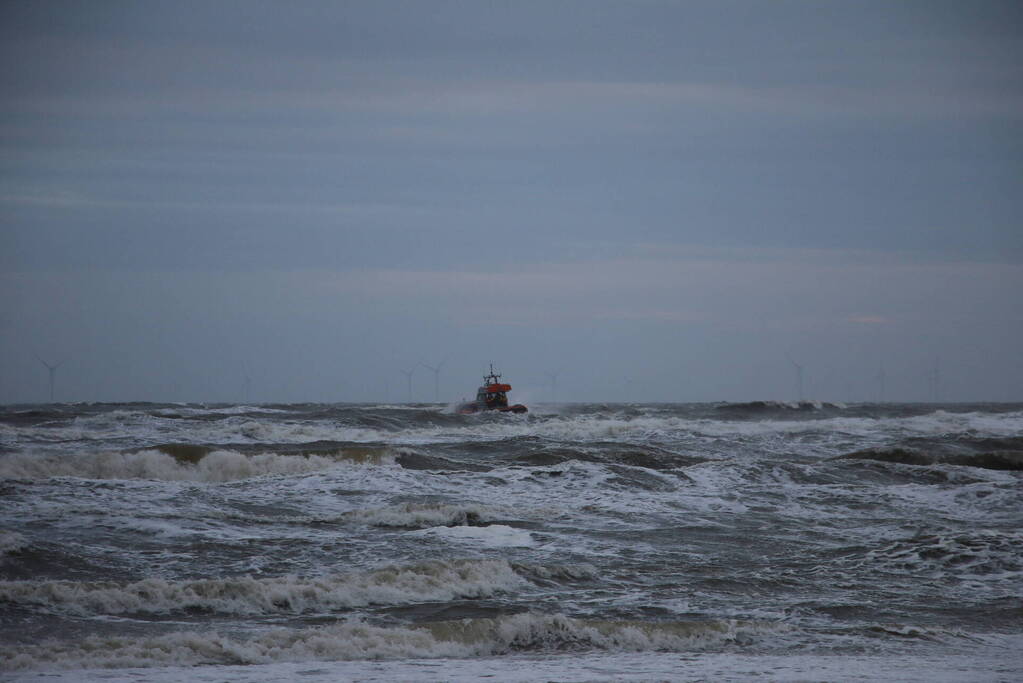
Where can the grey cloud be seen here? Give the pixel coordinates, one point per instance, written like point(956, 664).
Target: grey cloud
point(696, 187)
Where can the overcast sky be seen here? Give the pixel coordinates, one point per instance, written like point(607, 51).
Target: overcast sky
point(664, 201)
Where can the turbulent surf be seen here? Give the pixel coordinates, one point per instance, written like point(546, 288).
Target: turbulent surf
point(593, 542)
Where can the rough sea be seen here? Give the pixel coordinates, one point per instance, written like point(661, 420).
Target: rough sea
point(326, 542)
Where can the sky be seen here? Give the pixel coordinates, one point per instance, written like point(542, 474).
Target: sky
point(648, 201)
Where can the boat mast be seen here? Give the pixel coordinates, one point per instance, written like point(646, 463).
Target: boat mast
point(492, 377)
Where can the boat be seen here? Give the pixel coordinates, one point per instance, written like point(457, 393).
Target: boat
point(492, 396)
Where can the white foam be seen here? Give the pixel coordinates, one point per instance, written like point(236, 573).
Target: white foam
point(11, 542)
point(426, 515)
point(997, 500)
point(433, 581)
point(995, 556)
point(217, 466)
point(492, 536)
point(192, 411)
point(982, 665)
point(190, 648)
point(416, 407)
point(613, 426)
point(359, 641)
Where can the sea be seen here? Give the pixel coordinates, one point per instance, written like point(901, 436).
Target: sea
point(764, 540)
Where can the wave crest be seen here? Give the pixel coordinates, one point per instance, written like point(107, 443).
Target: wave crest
point(976, 554)
point(754, 408)
point(994, 460)
point(11, 542)
point(424, 515)
point(214, 466)
point(434, 581)
point(529, 632)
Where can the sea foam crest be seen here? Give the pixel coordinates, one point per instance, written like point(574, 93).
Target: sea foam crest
point(192, 411)
point(492, 536)
point(422, 515)
point(433, 581)
point(217, 466)
point(11, 542)
point(528, 632)
point(533, 631)
point(982, 553)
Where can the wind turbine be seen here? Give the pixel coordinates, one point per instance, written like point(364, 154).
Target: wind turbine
point(52, 369)
point(880, 383)
point(799, 376)
point(408, 375)
point(436, 377)
point(554, 384)
point(934, 380)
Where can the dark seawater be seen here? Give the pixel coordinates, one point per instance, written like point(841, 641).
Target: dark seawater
point(577, 542)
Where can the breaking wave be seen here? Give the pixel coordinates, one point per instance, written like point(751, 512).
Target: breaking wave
point(975, 554)
point(777, 408)
point(995, 460)
point(424, 515)
point(528, 632)
point(432, 581)
point(11, 542)
point(418, 425)
point(196, 465)
point(492, 536)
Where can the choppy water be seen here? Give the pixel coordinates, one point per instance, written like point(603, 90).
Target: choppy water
point(574, 542)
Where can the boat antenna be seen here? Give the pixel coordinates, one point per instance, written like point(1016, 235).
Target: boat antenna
point(492, 376)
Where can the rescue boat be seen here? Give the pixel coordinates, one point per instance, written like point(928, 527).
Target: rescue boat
point(493, 395)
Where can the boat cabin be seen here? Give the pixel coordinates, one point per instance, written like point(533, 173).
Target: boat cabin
point(493, 395)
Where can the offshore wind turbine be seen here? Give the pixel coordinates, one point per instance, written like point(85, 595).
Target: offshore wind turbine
point(554, 384)
point(246, 383)
point(799, 376)
point(52, 369)
point(880, 383)
point(934, 380)
point(436, 377)
point(408, 375)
